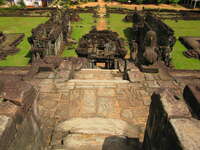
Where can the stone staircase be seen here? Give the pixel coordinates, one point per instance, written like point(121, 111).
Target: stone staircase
point(98, 74)
point(89, 118)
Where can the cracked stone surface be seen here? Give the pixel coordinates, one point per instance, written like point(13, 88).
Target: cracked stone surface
point(95, 105)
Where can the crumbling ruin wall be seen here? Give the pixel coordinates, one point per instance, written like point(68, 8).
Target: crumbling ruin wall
point(19, 126)
point(63, 68)
point(170, 124)
point(152, 37)
point(49, 38)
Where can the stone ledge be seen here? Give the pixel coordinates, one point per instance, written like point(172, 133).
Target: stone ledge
point(97, 81)
point(97, 125)
point(174, 107)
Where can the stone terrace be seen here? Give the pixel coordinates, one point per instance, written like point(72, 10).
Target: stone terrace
point(77, 113)
point(91, 108)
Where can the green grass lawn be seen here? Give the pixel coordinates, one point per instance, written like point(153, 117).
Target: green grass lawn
point(116, 24)
point(78, 30)
point(184, 28)
point(19, 25)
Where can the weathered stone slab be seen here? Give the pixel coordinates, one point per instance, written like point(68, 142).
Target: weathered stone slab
point(89, 102)
point(135, 76)
point(9, 109)
point(146, 100)
point(167, 84)
point(98, 125)
point(106, 92)
point(152, 84)
point(105, 106)
point(127, 114)
point(131, 66)
point(164, 75)
point(18, 92)
point(65, 75)
point(173, 106)
point(75, 103)
point(97, 81)
point(149, 77)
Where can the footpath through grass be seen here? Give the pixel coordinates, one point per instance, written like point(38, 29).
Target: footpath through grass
point(184, 28)
point(19, 25)
point(78, 30)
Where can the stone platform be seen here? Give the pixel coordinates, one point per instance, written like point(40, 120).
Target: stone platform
point(93, 107)
point(97, 108)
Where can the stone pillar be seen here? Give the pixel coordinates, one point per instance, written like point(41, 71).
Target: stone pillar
point(170, 125)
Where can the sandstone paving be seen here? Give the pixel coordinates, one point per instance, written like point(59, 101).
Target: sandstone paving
point(98, 125)
point(90, 106)
point(110, 100)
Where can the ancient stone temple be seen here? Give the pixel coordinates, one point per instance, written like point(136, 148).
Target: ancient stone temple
point(102, 46)
point(48, 39)
point(153, 40)
point(100, 100)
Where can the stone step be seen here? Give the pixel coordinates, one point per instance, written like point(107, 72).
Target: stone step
point(97, 142)
point(100, 126)
point(98, 74)
point(77, 81)
point(97, 83)
point(99, 133)
point(100, 70)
